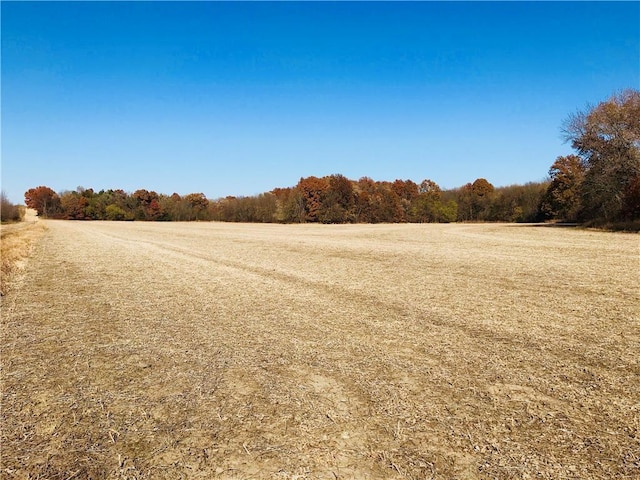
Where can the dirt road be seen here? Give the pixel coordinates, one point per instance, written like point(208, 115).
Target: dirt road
point(149, 350)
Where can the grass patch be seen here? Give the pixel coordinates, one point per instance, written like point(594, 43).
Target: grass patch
point(16, 242)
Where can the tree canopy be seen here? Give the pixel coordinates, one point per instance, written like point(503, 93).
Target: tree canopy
point(607, 140)
point(44, 200)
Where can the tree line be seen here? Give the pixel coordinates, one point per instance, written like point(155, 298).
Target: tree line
point(329, 199)
point(86, 204)
point(599, 184)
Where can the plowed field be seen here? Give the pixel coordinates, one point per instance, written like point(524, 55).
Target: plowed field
point(206, 350)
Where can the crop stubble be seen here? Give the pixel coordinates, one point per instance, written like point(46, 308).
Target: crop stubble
point(147, 350)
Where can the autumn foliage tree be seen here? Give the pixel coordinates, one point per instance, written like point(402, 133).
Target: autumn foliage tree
point(74, 206)
point(197, 206)
point(148, 205)
point(563, 198)
point(44, 200)
point(607, 139)
point(338, 199)
point(312, 190)
point(475, 200)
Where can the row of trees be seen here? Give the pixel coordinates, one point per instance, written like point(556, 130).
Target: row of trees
point(86, 204)
point(598, 184)
point(330, 199)
point(336, 199)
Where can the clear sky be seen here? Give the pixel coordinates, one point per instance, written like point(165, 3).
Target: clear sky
point(240, 98)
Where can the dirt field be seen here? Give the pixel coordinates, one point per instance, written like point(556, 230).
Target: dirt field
point(164, 351)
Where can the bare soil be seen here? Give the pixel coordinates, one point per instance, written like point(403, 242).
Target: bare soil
point(206, 350)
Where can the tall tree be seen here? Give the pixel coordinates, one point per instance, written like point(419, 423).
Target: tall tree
point(73, 206)
point(562, 199)
point(407, 192)
point(428, 205)
point(475, 199)
point(44, 200)
point(198, 204)
point(313, 190)
point(607, 138)
point(338, 200)
point(148, 207)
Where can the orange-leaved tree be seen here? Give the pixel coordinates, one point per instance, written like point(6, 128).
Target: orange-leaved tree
point(44, 200)
point(313, 190)
point(563, 197)
point(607, 137)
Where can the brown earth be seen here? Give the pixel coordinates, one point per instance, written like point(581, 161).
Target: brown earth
point(164, 351)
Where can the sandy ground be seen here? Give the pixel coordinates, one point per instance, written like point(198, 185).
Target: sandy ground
point(147, 350)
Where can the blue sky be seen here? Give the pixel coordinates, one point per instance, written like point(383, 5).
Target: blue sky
point(240, 98)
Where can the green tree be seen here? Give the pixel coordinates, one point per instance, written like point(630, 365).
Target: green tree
point(428, 205)
point(447, 212)
point(114, 212)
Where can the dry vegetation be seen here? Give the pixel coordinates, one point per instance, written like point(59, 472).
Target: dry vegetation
point(16, 242)
point(141, 350)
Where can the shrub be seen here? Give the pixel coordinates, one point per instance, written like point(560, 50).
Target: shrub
point(8, 211)
point(114, 212)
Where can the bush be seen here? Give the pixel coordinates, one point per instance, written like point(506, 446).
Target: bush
point(114, 212)
point(8, 211)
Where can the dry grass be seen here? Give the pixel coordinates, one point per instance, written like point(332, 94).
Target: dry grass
point(16, 243)
point(373, 351)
